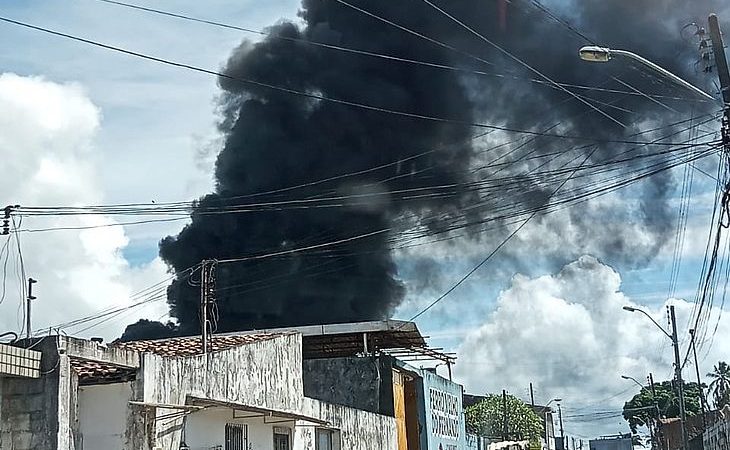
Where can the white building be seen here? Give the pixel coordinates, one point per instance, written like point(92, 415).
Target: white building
point(246, 393)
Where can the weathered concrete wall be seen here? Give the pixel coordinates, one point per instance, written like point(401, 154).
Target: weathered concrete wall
point(358, 382)
point(717, 435)
point(265, 374)
point(358, 430)
point(29, 408)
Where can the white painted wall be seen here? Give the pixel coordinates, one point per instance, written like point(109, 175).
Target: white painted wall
point(103, 415)
point(206, 429)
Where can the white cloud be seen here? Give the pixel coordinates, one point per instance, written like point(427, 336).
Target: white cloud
point(568, 335)
point(47, 133)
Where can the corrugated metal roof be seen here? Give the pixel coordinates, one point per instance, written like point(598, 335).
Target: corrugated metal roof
point(192, 346)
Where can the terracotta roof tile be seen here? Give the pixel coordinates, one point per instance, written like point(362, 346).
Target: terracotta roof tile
point(93, 372)
point(191, 346)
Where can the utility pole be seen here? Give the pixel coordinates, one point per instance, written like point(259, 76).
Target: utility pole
point(28, 332)
point(699, 380)
point(718, 49)
point(504, 413)
point(207, 298)
point(678, 376)
point(657, 444)
point(562, 433)
point(532, 396)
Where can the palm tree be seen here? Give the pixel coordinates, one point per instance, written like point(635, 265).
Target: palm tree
point(720, 385)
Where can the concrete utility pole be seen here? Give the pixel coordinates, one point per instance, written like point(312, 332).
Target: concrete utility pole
point(532, 396)
point(657, 432)
point(718, 49)
point(504, 413)
point(699, 380)
point(562, 433)
point(28, 332)
point(207, 298)
point(678, 376)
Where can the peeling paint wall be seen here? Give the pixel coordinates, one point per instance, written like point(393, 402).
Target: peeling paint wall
point(266, 374)
point(55, 413)
point(358, 430)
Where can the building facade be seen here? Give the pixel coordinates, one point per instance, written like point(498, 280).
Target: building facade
point(246, 393)
point(329, 387)
point(618, 442)
point(717, 433)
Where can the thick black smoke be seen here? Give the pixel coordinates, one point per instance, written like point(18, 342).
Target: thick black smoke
point(275, 140)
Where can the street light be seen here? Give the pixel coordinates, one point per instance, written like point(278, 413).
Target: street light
point(632, 309)
point(594, 53)
point(677, 365)
point(656, 407)
point(625, 377)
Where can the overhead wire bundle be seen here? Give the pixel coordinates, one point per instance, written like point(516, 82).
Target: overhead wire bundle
point(499, 199)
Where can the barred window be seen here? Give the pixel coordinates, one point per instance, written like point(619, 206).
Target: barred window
point(236, 436)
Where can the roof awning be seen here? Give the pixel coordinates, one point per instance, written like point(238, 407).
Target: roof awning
point(255, 411)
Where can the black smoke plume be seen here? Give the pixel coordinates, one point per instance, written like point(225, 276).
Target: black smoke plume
point(276, 140)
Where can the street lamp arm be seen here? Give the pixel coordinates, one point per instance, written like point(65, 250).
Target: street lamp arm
point(632, 309)
point(625, 377)
point(595, 53)
point(655, 323)
point(663, 71)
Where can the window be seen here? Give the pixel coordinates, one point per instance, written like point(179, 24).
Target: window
point(324, 439)
point(236, 436)
point(281, 438)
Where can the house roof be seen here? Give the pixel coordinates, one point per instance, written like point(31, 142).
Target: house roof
point(193, 345)
point(398, 338)
point(100, 372)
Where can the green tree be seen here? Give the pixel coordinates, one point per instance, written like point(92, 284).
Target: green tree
point(641, 410)
point(720, 384)
point(486, 418)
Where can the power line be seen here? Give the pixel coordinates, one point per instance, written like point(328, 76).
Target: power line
point(494, 252)
point(380, 55)
point(521, 62)
point(315, 96)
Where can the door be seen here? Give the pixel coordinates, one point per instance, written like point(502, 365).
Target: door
point(399, 408)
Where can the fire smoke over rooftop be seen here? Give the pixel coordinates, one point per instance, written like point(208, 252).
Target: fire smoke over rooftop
point(275, 141)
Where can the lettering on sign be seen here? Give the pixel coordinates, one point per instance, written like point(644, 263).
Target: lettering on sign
point(444, 414)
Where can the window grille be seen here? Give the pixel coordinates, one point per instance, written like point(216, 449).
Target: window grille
point(236, 436)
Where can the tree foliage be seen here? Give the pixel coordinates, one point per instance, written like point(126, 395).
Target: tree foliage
point(486, 419)
point(641, 410)
point(720, 384)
